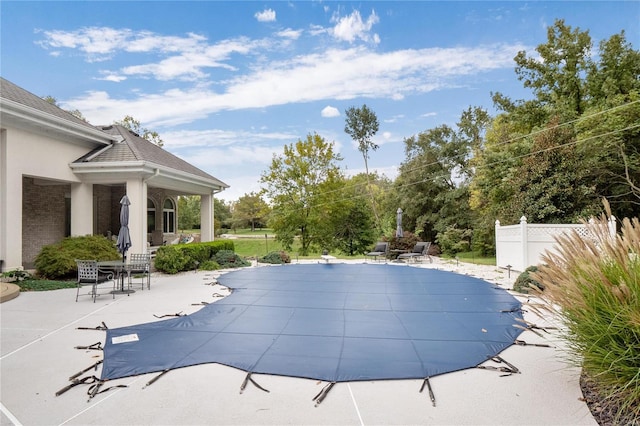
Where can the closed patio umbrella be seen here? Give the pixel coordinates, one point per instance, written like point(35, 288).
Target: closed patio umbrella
point(399, 233)
point(124, 239)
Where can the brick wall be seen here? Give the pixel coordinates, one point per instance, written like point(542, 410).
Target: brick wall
point(43, 217)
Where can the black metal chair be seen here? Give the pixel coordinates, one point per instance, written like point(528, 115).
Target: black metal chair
point(140, 264)
point(90, 275)
point(381, 249)
point(421, 249)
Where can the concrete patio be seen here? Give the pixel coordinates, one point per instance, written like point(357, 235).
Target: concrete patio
point(39, 334)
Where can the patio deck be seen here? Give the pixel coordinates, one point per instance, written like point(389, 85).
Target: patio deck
point(39, 333)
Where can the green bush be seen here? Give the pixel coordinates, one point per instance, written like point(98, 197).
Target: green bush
point(209, 265)
point(229, 259)
point(171, 260)
point(454, 240)
point(59, 260)
point(276, 258)
point(184, 257)
point(525, 282)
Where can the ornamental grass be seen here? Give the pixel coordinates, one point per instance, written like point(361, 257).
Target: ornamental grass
point(593, 284)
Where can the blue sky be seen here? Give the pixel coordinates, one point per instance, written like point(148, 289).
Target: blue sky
point(228, 84)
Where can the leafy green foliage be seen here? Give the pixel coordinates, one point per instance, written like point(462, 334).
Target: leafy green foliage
point(209, 265)
point(454, 240)
point(59, 260)
point(189, 208)
point(183, 257)
point(276, 258)
point(362, 124)
point(17, 275)
point(45, 285)
point(302, 184)
point(250, 210)
point(525, 283)
point(134, 125)
point(228, 259)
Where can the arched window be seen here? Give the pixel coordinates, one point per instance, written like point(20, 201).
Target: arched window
point(168, 217)
point(151, 215)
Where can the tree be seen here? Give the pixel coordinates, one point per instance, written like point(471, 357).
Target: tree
point(134, 125)
point(362, 124)
point(250, 209)
point(76, 113)
point(189, 212)
point(221, 214)
point(557, 77)
point(301, 184)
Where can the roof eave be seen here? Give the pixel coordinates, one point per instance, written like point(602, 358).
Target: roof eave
point(24, 112)
point(171, 178)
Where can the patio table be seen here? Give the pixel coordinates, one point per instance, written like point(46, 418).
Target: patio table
point(120, 269)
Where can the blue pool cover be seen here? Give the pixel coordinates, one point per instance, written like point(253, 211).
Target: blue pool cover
point(333, 322)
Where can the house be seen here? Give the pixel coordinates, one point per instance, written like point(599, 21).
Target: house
point(61, 176)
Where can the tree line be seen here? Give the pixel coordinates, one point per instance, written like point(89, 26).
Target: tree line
point(551, 158)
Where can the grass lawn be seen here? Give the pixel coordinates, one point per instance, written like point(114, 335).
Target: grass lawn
point(44, 285)
point(475, 257)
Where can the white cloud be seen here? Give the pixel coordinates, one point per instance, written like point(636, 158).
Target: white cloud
point(329, 112)
point(289, 34)
point(429, 114)
point(352, 27)
point(327, 75)
point(267, 15)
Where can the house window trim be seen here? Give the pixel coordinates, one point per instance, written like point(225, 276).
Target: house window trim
point(168, 217)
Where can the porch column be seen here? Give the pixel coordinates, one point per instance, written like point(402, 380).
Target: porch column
point(137, 193)
point(82, 213)
point(206, 218)
point(10, 208)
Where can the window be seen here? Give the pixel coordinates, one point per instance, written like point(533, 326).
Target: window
point(168, 216)
point(151, 215)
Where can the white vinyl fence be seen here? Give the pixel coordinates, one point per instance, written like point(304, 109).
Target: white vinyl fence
point(520, 246)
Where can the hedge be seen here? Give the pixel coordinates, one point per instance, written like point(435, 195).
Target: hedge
point(183, 257)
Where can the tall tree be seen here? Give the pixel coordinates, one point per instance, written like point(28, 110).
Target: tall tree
point(134, 125)
point(221, 214)
point(75, 112)
point(301, 185)
point(362, 124)
point(250, 209)
point(557, 76)
point(189, 211)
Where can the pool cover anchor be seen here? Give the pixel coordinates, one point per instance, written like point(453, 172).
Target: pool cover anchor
point(431, 394)
point(80, 373)
point(509, 370)
point(323, 393)
point(94, 347)
point(248, 379)
point(155, 379)
point(101, 327)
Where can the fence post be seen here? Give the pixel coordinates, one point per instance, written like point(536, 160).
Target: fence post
point(497, 227)
point(524, 239)
point(612, 226)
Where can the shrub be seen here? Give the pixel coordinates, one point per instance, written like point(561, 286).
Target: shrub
point(276, 258)
point(183, 257)
point(209, 265)
point(228, 259)
point(525, 282)
point(454, 240)
point(171, 260)
point(59, 260)
point(595, 282)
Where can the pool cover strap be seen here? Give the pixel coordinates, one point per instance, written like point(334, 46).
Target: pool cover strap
point(323, 393)
point(248, 379)
point(431, 395)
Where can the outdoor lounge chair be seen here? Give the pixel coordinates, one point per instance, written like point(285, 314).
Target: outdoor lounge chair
point(381, 249)
point(421, 249)
point(90, 275)
point(140, 264)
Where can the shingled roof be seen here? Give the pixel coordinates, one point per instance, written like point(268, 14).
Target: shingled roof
point(133, 148)
point(14, 93)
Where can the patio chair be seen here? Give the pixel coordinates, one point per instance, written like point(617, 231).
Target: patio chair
point(381, 249)
point(140, 264)
point(90, 275)
point(421, 249)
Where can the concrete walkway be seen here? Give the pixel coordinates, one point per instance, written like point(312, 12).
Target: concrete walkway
point(40, 332)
